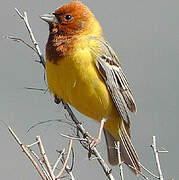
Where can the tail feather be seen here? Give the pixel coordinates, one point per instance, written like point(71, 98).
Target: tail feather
point(111, 148)
point(127, 151)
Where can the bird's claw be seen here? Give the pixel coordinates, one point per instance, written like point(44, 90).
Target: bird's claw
point(94, 142)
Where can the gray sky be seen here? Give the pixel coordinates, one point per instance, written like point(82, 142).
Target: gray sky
point(144, 34)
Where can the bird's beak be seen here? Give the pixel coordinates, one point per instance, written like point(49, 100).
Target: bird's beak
point(49, 18)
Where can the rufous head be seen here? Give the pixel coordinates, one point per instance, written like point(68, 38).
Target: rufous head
point(71, 19)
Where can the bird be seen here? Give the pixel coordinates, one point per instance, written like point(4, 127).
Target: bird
point(84, 71)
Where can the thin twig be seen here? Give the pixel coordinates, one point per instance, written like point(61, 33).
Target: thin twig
point(140, 173)
point(66, 160)
point(67, 168)
point(20, 40)
point(148, 171)
point(156, 154)
point(45, 158)
point(18, 12)
point(58, 160)
point(73, 138)
point(41, 163)
point(120, 162)
point(25, 20)
point(37, 89)
point(25, 150)
point(30, 145)
point(163, 150)
point(70, 172)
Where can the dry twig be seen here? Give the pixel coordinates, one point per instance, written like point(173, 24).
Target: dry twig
point(66, 160)
point(36, 46)
point(26, 151)
point(120, 162)
point(156, 154)
point(46, 171)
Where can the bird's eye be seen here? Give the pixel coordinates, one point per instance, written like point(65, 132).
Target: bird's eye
point(68, 17)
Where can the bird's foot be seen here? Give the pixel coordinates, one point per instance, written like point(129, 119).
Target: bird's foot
point(94, 141)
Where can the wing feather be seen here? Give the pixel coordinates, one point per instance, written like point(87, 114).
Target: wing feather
point(110, 69)
point(114, 89)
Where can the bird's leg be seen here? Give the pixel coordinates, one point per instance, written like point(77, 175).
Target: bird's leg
point(96, 141)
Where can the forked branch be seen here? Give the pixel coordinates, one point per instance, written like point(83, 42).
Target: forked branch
point(44, 168)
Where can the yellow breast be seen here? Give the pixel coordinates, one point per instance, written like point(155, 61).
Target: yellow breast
point(76, 79)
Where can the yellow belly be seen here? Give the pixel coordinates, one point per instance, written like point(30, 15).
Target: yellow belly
point(76, 80)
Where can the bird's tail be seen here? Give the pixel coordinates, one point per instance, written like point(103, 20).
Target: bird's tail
point(127, 151)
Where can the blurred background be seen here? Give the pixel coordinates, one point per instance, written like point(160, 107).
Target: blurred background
point(144, 34)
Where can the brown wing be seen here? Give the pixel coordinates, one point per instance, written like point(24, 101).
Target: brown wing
point(110, 69)
point(115, 79)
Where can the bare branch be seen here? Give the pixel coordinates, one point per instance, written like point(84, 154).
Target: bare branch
point(70, 173)
point(18, 12)
point(30, 145)
point(58, 160)
point(20, 40)
point(36, 46)
point(66, 160)
point(25, 150)
point(73, 138)
point(69, 169)
point(163, 150)
point(45, 170)
point(41, 163)
point(120, 162)
point(156, 154)
point(152, 174)
point(140, 173)
point(45, 158)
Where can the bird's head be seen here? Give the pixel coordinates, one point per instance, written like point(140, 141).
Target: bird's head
point(72, 19)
